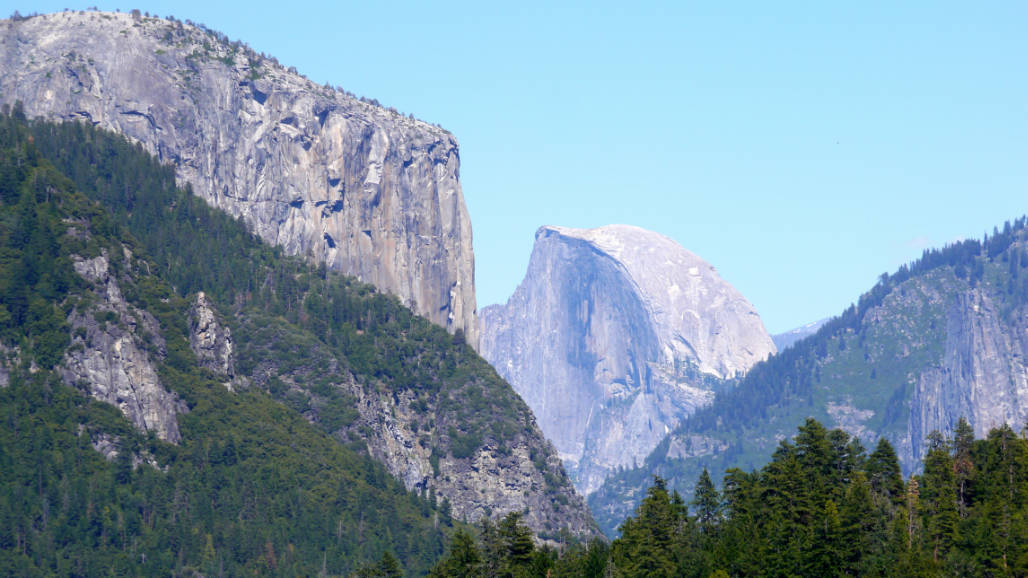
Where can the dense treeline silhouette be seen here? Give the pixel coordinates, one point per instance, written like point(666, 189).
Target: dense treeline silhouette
point(822, 507)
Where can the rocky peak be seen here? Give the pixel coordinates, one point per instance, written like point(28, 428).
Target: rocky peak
point(614, 335)
point(361, 188)
point(697, 315)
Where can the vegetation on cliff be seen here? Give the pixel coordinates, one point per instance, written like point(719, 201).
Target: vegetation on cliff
point(252, 487)
point(304, 332)
point(272, 477)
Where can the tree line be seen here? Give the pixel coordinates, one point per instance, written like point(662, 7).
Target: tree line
point(823, 506)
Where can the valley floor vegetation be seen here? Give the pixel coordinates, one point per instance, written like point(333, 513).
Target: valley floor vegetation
point(822, 507)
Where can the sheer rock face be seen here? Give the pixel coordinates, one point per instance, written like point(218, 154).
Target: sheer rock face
point(363, 189)
point(982, 375)
point(110, 359)
point(613, 336)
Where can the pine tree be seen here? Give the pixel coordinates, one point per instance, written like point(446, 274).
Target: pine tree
point(862, 526)
point(518, 547)
point(463, 560)
point(938, 497)
point(884, 474)
point(707, 504)
point(963, 466)
point(825, 557)
point(644, 548)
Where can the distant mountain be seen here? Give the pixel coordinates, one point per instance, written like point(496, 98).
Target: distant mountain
point(614, 335)
point(364, 189)
point(943, 338)
point(786, 340)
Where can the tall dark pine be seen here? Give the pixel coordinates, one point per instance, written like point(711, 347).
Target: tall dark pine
point(707, 504)
point(938, 497)
point(963, 465)
point(884, 474)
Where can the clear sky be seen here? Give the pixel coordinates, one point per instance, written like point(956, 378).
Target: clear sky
point(802, 148)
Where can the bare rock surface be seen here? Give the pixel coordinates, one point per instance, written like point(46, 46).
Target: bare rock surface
point(363, 189)
point(614, 336)
point(110, 360)
point(209, 338)
point(982, 375)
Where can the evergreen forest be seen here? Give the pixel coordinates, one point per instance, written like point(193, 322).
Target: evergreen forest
point(863, 365)
point(252, 487)
point(822, 507)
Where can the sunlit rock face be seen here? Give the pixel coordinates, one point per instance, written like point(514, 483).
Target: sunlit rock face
point(361, 188)
point(614, 335)
point(111, 360)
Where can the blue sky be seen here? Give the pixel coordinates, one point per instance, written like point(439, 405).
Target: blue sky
point(802, 148)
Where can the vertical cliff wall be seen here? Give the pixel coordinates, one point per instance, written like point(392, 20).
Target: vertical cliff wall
point(614, 335)
point(365, 190)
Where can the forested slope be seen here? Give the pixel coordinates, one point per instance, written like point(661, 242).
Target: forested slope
point(350, 359)
point(243, 485)
point(269, 462)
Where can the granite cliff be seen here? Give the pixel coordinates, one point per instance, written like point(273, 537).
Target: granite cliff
point(363, 189)
point(614, 335)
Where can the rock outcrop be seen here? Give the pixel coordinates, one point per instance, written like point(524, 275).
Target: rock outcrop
point(210, 339)
point(615, 334)
point(429, 441)
point(363, 189)
point(110, 360)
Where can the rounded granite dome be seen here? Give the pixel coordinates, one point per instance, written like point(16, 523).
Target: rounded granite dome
point(696, 314)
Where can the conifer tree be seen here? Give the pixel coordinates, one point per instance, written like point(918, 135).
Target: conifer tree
point(463, 559)
point(963, 466)
point(884, 474)
point(645, 546)
point(938, 497)
point(518, 547)
point(707, 504)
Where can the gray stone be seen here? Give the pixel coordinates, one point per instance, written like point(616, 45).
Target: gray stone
point(209, 338)
point(613, 337)
point(363, 189)
point(982, 376)
point(110, 361)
